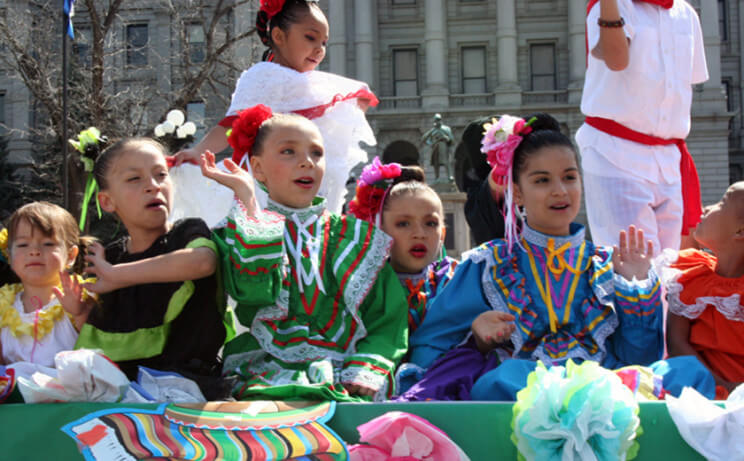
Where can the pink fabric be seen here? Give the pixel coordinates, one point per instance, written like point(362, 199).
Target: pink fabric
point(398, 436)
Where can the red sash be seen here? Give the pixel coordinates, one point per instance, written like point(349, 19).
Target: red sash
point(690, 183)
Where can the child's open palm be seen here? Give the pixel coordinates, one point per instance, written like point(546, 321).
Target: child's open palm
point(72, 299)
point(492, 328)
point(632, 258)
point(103, 270)
point(236, 178)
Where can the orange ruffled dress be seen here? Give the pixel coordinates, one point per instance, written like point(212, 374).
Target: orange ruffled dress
point(713, 304)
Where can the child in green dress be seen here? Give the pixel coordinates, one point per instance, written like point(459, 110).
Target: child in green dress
point(327, 314)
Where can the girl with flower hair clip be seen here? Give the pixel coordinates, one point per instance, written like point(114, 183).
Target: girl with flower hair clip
point(296, 34)
point(326, 312)
point(544, 293)
point(397, 199)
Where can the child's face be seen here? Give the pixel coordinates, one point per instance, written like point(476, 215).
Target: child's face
point(549, 189)
point(722, 222)
point(416, 224)
point(36, 258)
point(291, 164)
point(303, 46)
point(139, 189)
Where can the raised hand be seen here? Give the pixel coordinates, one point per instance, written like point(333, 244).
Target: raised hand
point(186, 155)
point(632, 258)
point(362, 391)
point(492, 328)
point(235, 178)
point(72, 299)
point(105, 272)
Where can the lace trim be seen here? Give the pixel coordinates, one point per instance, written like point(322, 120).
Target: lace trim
point(575, 237)
point(232, 362)
point(317, 208)
point(367, 378)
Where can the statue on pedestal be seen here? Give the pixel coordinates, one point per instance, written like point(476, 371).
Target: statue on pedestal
point(440, 137)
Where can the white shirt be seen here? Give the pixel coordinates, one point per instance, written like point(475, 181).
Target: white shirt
point(652, 95)
point(61, 338)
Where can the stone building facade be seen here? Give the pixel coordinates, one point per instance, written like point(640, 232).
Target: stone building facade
point(469, 58)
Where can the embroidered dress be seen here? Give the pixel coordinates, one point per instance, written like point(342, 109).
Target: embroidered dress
point(713, 305)
point(322, 304)
point(33, 336)
point(422, 287)
point(567, 303)
point(329, 100)
point(174, 326)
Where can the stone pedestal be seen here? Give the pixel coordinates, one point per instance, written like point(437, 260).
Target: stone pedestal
point(457, 240)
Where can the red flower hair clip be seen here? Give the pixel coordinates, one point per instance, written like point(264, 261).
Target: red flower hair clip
point(271, 7)
point(244, 129)
point(372, 188)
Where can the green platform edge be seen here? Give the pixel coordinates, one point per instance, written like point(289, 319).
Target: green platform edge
point(482, 429)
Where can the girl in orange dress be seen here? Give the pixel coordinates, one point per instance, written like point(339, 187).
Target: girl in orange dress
point(706, 315)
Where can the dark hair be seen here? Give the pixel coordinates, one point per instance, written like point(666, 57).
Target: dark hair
point(53, 221)
point(291, 13)
point(545, 132)
point(411, 181)
point(266, 127)
point(107, 157)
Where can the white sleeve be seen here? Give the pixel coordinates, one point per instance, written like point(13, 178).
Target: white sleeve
point(699, 65)
point(592, 29)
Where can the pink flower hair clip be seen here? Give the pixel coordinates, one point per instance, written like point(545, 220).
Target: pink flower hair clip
point(371, 190)
point(501, 138)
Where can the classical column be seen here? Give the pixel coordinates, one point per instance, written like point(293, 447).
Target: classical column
point(576, 48)
point(712, 96)
point(363, 23)
point(508, 91)
point(336, 54)
point(435, 93)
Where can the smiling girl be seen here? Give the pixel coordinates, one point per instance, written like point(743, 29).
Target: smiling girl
point(326, 312)
point(545, 293)
point(296, 34)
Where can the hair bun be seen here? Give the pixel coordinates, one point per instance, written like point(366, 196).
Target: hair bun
point(411, 173)
point(543, 122)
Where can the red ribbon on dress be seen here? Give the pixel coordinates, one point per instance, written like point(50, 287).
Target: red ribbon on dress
point(318, 111)
point(693, 208)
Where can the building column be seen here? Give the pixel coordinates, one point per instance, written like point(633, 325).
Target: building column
point(364, 41)
point(508, 91)
point(436, 92)
point(712, 97)
point(576, 49)
point(337, 40)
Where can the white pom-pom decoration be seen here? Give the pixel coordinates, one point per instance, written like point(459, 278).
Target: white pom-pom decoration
point(176, 117)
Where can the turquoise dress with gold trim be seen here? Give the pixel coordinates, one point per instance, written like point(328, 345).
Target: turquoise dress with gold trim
point(567, 300)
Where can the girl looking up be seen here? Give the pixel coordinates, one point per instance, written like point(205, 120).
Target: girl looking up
point(160, 303)
point(544, 293)
point(42, 315)
point(296, 33)
point(706, 317)
point(326, 312)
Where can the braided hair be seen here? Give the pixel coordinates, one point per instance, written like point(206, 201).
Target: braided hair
point(292, 12)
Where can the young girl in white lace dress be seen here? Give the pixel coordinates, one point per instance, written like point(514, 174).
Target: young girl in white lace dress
point(296, 32)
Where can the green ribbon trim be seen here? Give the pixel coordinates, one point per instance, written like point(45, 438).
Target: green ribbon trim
point(91, 188)
point(138, 344)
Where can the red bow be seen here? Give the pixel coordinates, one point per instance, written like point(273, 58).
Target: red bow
point(244, 130)
point(271, 7)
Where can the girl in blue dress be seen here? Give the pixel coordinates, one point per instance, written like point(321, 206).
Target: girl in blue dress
point(544, 292)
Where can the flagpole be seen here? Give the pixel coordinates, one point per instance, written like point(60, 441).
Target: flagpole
point(65, 172)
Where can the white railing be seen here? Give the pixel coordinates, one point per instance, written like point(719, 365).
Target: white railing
point(546, 96)
point(399, 102)
point(471, 100)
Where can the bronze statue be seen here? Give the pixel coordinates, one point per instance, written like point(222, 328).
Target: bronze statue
point(439, 138)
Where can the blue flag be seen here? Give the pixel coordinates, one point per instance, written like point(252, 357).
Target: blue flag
point(69, 13)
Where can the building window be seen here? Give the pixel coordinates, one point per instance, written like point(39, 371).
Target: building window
point(82, 45)
point(405, 74)
point(723, 20)
point(542, 67)
point(137, 38)
point(196, 112)
point(474, 69)
point(197, 43)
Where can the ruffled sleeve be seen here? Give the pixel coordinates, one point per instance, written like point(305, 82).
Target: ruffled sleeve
point(383, 313)
point(252, 257)
point(638, 338)
point(452, 311)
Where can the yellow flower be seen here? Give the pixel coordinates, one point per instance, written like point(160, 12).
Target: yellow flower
point(4, 243)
